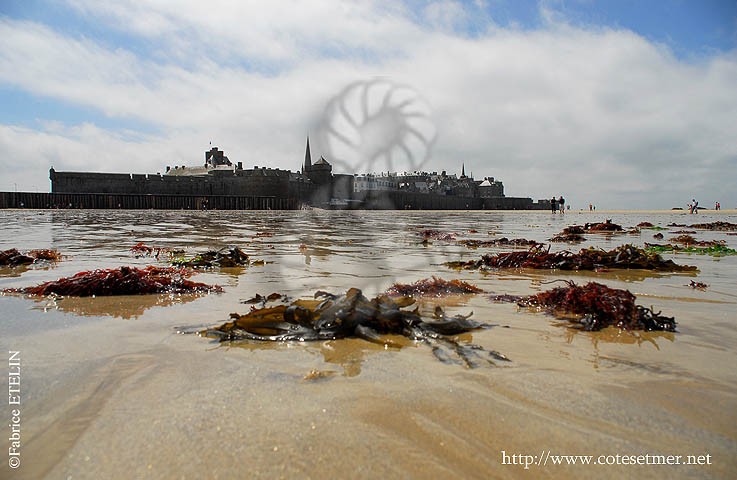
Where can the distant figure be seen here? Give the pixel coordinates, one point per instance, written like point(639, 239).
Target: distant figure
point(591, 208)
point(694, 206)
point(717, 206)
point(553, 205)
point(561, 204)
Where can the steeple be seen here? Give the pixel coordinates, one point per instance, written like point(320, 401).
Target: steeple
point(463, 170)
point(308, 157)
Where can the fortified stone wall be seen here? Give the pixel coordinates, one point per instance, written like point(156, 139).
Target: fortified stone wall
point(261, 182)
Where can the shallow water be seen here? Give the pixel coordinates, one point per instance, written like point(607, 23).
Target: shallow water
point(110, 390)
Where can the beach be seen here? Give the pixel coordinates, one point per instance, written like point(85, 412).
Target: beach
point(110, 388)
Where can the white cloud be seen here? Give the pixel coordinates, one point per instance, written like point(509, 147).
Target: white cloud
point(596, 115)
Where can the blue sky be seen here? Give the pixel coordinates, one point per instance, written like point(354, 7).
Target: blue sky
point(623, 93)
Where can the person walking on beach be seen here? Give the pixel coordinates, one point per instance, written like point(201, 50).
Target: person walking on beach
point(561, 204)
point(694, 206)
point(553, 205)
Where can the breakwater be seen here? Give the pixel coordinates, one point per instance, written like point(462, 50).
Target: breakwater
point(386, 200)
point(143, 201)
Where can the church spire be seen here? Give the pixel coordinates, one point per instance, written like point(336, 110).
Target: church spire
point(463, 170)
point(308, 157)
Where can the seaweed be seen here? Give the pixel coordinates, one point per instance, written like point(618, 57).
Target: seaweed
point(574, 233)
point(717, 249)
point(688, 240)
point(719, 226)
point(685, 239)
point(428, 234)
point(499, 242)
point(568, 238)
point(625, 256)
point(45, 255)
point(224, 258)
point(698, 285)
point(120, 281)
point(573, 230)
point(436, 287)
point(14, 258)
point(333, 317)
point(606, 226)
point(140, 249)
point(595, 306)
point(263, 300)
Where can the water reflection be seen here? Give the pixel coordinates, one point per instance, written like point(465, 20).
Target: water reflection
point(616, 335)
point(346, 353)
point(120, 306)
point(350, 353)
point(14, 271)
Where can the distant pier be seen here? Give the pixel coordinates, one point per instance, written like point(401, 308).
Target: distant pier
point(391, 200)
point(143, 201)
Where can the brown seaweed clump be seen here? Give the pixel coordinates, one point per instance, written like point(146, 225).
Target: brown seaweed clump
point(698, 285)
point(333, 317)
point(718, 226)
point(689, 240)
point(140, 249)
point(625, 256)
point(223, 258)
point(121, 281)
point(435, 287)
point(570, 234)
point(595, 306)
point(433, 234)
point(499, 242)
point(568, 238)
point(606, 226)
point(14, 258)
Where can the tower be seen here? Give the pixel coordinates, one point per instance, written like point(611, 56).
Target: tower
point(308, 158)
point(463, 170)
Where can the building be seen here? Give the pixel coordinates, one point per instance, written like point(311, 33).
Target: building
point(219, 179)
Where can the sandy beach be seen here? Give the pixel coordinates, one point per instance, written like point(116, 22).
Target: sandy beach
point(111, 390)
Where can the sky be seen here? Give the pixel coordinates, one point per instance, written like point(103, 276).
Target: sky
point(619, 103)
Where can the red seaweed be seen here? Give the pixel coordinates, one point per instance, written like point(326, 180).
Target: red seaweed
point(45, 255)
point(594, 306)
point(121, 281)
point(435, 287)
point(606, 226)
point(625, 256)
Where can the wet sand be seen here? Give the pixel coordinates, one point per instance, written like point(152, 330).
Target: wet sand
point(110, 390)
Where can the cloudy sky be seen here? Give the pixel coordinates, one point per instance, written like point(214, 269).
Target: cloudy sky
point(623, 103)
